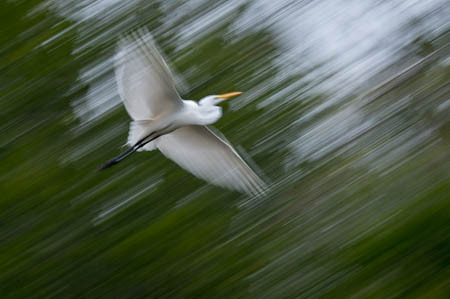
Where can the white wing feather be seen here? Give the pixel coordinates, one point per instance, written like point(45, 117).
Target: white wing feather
point(201, 152)
point(145, 83)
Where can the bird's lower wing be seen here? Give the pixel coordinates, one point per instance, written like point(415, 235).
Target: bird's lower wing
point(198, 150)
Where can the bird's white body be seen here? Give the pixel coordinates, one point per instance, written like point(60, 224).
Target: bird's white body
point(188, 113)
point(175, 126)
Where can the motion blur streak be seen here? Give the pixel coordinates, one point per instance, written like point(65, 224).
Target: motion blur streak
point(346, 111)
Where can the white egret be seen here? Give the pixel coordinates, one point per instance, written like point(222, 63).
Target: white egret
point(177, 127)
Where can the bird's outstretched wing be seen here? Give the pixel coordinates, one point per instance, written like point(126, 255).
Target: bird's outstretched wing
point(144, 80)
point(198, 150)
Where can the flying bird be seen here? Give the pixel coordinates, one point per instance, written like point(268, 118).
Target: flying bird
point(178, 128)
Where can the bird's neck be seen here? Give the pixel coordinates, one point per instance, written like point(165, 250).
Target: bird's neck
point(195, 114)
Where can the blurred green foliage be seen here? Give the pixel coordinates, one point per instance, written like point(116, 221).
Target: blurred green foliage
point(368, 218)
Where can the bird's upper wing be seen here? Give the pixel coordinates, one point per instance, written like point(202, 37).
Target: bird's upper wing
point(144, 80)
point(198, 150)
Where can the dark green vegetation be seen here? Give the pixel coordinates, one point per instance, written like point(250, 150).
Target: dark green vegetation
point(365, 214)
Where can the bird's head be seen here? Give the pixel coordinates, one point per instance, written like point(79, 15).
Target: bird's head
point(208, 111)
point(214, 100)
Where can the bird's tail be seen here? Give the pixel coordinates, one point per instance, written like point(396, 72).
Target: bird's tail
point(138, 130)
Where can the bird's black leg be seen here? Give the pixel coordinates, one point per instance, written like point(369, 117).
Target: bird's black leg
point(129, 151)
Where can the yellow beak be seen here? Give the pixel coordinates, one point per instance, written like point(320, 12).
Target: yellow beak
point(229, 95)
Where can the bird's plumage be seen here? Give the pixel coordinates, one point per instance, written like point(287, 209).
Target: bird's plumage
point(144, 81)
point(148, 91)
point(201, 152)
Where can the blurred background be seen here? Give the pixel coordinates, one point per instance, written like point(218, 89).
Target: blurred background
point(345, 111)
